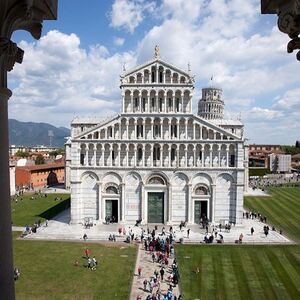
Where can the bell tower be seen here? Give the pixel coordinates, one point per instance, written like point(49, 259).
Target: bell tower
point(211, 105)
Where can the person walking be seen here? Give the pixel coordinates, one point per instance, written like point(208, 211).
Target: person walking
point(188, 233)
point(139, 271)
point(162, 272)
point(252, 230)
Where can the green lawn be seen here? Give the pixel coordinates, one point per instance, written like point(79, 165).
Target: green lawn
point(27, 211)
point(248, 272)
point(282, 209)
point(48, 271)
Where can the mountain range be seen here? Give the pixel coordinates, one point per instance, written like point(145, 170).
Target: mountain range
point(33, 134)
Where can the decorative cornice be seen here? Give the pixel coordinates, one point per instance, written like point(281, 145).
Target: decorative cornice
point(288, 12)
point(10, 53)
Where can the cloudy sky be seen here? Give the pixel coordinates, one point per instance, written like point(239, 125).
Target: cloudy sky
point(73, 70)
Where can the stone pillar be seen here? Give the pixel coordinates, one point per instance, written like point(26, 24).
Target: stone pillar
point(94, 154)
point(186, 129)
point(151, 156)
point(170, 204)
point(144, 129)
point(100, 200)
point(127, 156)
point(227, 156)
point(213, 202)
point(119, 155)
point(186, 156)
point(6, 257)
point(170, 151)
point(102, 155)
point(200, 132)
point(178, 157)
point(210, 157)
point(189, 204)
point(15, 15)
point(194, 131)
point(161, 149)
point(123, 202)
point(86, 162)
point(142, 206)
point(219, 156)
point(195, 156)
point(143, 155)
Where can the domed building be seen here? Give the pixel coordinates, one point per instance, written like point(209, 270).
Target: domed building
point(156, 161)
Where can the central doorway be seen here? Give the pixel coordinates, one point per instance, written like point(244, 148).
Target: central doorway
point(200, 211)
point(155, 207)
point(111, 211)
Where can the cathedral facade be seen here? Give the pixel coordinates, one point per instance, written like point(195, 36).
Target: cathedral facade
point(156, 161)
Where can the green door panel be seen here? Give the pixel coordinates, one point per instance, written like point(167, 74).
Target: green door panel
point(155, 207)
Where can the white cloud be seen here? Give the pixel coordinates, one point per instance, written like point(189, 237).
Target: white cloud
point(118, 41)
point(223, 38)
point(128, 14)
point(290, 101)
point(53, 85)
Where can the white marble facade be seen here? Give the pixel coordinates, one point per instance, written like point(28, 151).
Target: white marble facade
point(157, 161)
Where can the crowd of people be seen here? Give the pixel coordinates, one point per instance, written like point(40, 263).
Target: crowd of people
point(159, 247)
point(263, 182)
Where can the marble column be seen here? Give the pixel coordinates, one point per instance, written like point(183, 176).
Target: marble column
point(100, 201)
point(6, 257)
point(122, 202)
point(189, 204)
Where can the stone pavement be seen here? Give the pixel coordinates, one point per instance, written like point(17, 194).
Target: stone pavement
point(144, 261)
point(60, 229)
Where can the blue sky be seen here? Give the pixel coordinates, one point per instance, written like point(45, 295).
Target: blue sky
point(73, 70)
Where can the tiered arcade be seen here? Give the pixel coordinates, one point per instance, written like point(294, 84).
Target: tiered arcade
point(156, 161)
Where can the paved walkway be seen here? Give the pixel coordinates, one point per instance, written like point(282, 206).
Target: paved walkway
point(60, 229)
point(144, 261)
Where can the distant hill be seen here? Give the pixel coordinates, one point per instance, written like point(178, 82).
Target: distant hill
point(33, 134)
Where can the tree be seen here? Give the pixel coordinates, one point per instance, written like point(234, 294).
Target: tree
point(39, 160)
point(22, 154)
point(57, 152)
point(297, 144)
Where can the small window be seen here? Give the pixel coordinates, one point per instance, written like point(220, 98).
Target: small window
point(136, 102)
point(113, 155)
point(153, 102)
point(170, 102)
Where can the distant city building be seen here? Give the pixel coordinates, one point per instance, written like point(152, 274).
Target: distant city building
point(157, 161)
point(39, 176)
point(296, 161)
point(259, 154)
point(13, 149)
point(280, 163)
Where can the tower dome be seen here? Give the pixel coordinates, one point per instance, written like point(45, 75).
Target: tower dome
point(211, 105)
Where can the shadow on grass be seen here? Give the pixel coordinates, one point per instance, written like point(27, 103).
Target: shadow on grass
point(55, 210)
